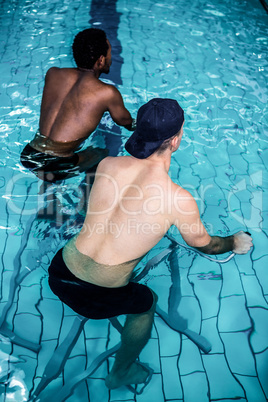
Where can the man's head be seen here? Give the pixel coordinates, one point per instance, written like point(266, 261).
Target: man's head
point(157, 121)
point(89, 46)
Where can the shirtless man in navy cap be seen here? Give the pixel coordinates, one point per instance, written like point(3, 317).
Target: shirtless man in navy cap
point(73, 103)
point(92, 273)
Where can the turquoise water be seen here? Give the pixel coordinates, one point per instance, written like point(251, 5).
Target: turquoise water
point(212, 58)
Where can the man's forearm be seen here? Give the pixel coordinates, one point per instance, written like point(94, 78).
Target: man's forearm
point(218, 245)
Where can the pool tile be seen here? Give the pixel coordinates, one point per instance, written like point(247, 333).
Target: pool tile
point(207, 292)
point(189, 359)
point(189, 309)
point(171, 379)
point(52, 311)
point(261, 272)
point(211, 333)
point(240, 167)
point(231, 284)
point(5, 290)
point(97, 390)
point(154, 390)
point(213, 156)
point(204, 269)
point(24, 323)
point(253, 291)
point(232, 315)
point(252, 388)
point(83, 391)
point(96, 328)
point(259, 335)
point(238, 353)
point(44, 356)
point(203, 169)
point(190, 383)
point(186, 178)
point(169, 342)
point(222, 383)
point(244, 265)
point(262, 367)
point(260, 239)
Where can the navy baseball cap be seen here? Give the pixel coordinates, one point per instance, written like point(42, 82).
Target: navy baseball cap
point(157, 120)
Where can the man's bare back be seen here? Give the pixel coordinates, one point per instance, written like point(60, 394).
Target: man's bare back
point(137, 208)
point(73, 103)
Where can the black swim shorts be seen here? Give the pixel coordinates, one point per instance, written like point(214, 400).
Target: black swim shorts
point(94, 301)
point(47, 167)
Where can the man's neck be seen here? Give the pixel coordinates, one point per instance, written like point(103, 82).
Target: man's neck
point(92, 71)
point(163, 159)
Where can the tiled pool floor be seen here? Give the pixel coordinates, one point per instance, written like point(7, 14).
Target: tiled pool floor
point(210, 337)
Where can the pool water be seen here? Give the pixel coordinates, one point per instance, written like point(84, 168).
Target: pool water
point(210, 337)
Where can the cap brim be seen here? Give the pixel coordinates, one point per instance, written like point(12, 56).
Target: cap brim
point(140, 149)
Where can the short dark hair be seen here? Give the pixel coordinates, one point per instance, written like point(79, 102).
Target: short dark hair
point(165, 144)
point(88, 46)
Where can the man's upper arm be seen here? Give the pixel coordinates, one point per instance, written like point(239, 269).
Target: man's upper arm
point(187, 219)
point(116, 108)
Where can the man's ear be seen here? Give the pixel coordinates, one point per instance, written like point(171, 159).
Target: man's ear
point(174, 141)
point(101, 62)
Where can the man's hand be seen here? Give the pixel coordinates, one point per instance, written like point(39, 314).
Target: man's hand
point(242, 242)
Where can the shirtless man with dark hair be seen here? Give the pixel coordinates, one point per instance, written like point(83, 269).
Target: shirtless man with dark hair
point(74, 101)
point(92, 273)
